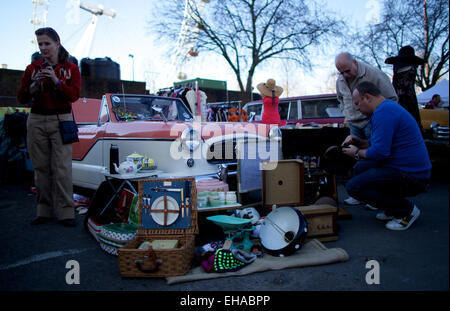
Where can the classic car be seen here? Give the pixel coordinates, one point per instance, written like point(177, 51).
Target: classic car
point(320, 109)
point(435, 123)
point(161, 128)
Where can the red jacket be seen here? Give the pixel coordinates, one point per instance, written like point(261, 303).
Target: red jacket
point(53, 99)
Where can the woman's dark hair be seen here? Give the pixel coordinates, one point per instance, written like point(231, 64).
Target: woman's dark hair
point(435, 95)
point(63, 55)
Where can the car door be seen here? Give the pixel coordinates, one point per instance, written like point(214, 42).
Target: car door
point(87, 154)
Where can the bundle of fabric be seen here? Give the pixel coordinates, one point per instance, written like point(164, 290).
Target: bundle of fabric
point(115, 236)
point(228, 260)
point(93, 227)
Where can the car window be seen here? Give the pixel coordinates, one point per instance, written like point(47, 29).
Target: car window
point(317, 108)
point(104, 114)
point(149, 108)
point(293, 110)
point(254, 111)
point(283, 109)
point(256, 108)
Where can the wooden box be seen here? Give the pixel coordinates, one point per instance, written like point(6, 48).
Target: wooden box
point(159, 200)
point(322, 222)
point(282, 183)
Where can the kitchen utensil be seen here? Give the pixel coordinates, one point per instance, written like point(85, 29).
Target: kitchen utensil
point(237, 230)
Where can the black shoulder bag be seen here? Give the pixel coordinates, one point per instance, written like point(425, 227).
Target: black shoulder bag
point(68, 130)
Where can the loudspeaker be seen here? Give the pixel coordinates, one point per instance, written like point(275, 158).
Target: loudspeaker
point(283, 183)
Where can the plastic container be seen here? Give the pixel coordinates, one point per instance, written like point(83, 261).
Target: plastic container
point(100, 68)
point(230, 197)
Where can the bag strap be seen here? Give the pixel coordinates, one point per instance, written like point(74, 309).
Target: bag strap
point(73, 116)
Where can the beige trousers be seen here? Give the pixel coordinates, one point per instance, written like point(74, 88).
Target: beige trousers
point(52, 163)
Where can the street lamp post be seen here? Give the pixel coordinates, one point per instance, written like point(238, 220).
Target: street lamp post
point(132, 59)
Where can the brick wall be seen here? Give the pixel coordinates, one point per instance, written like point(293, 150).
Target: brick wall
point(91, 87)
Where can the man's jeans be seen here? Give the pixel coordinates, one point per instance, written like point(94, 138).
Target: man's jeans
point(385, 188)
point(363, 133)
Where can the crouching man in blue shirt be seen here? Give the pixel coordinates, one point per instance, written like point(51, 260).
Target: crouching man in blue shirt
point(393, 164)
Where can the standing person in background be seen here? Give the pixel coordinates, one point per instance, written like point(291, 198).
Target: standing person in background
point(51, 84)
point(351, 73)
point(435, 102)
point(405, 70)
point(270, 93)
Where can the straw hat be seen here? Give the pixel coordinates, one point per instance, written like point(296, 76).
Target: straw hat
point(266, 88)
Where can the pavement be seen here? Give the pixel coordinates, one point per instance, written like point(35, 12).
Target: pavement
point(38, 258)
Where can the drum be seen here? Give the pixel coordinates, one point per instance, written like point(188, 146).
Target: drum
point(283, 231)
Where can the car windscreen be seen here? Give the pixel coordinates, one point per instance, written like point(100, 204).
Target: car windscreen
point(149, 108)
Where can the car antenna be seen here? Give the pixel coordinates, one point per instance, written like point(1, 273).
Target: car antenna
point(123, 97)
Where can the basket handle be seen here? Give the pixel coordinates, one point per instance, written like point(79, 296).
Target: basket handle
point(155, 262)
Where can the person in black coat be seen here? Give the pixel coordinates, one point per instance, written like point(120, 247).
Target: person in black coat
point(405, 66)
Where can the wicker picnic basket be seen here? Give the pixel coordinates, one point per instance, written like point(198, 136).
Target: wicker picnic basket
point(138, 263)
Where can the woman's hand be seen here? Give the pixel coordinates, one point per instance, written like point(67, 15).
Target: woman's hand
point(49, 73)
point(35, 87)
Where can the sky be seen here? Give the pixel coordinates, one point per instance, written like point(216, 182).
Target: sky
point(128, 33)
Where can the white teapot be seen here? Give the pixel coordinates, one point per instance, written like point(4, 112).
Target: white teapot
point(126, 167)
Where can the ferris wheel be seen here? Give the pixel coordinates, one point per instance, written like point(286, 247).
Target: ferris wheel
point(186, 45)
point(39, 19)
point(84, 47)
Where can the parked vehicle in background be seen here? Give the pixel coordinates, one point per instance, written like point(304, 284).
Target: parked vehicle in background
point(160, 128)
point(435, 123)
point(320, 109)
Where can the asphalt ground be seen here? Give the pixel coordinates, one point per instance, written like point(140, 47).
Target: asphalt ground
point(34, 258)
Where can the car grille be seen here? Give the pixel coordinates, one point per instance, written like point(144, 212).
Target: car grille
point(441, 132)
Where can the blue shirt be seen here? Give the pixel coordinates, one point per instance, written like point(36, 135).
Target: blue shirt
point(396, 140)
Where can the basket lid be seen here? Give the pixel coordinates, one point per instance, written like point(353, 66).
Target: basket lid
point(167, 206)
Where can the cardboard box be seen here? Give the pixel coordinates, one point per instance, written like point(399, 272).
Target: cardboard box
point(322, 222)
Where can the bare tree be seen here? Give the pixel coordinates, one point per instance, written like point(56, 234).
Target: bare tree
point(247, 33)
point(420, 23)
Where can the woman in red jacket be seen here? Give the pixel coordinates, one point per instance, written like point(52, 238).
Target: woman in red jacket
point(51, 84)
point(270, 93)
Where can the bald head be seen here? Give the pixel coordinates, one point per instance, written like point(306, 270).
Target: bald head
point(344, 57)
point(346, 65)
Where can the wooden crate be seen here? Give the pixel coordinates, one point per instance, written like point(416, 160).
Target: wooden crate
point(322, 222)
point(284, 184)
point(134, 262)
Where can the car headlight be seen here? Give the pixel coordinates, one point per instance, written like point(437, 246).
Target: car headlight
point(275, 133)
point(190, 139)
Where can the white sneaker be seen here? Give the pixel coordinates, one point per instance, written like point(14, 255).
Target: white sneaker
point(383, 216)
point(352, 201)
point(405, 222)
point(372, 208)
